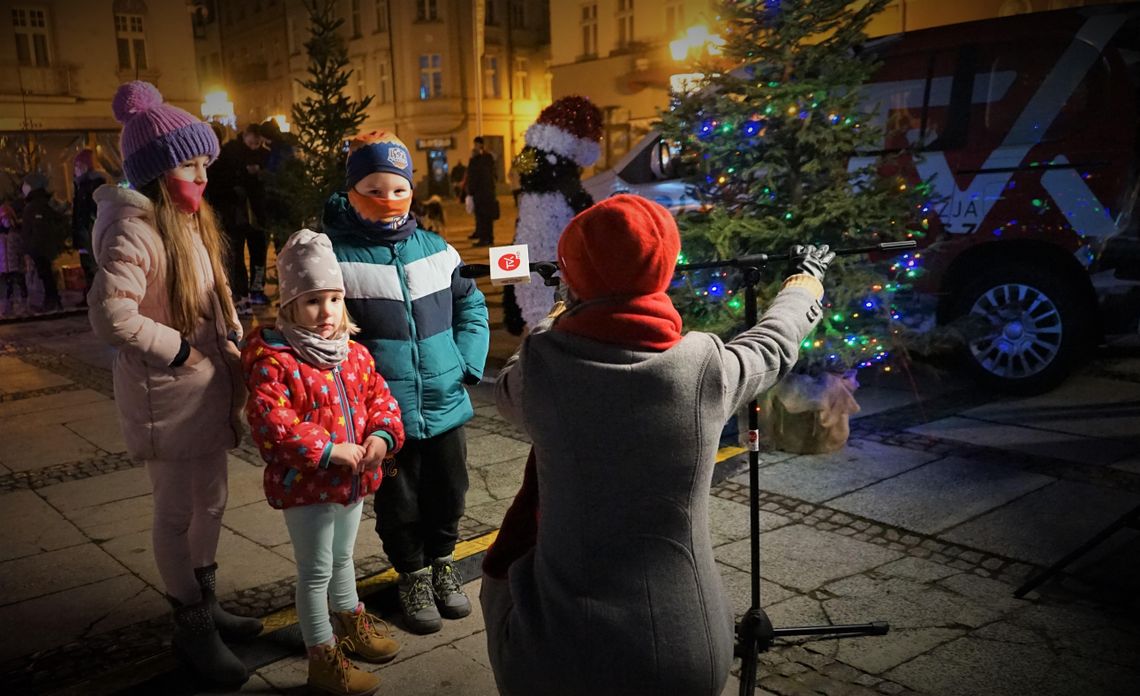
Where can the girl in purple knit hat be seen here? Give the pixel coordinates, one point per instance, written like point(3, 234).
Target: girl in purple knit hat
point(160, 296)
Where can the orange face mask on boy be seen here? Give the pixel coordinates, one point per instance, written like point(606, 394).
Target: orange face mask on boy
point(379, 209)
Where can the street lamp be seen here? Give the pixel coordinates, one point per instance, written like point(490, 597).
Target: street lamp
point(697, 37)
point(218, 107)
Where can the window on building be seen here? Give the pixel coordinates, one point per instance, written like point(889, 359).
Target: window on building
point(358, 77)
point(491, 86)
point(590, 29)
point(522, 78)
point(131, 42)
point(674, 18)
point(624, 23)
point(518, 13)
point(381, 8)
point(31, 36)
point(383, 81)
point(355, 18)
point(427, 10)
point(431, 76)
point(490, 17)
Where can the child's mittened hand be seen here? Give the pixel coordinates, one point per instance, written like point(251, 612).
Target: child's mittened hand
point(347, 454)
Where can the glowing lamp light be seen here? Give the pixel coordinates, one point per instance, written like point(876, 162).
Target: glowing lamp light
point(282, 123)
point(218, 107)
point(696, 37)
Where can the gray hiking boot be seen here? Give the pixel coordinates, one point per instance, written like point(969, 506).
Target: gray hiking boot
point(417, 602)
point(448, 587)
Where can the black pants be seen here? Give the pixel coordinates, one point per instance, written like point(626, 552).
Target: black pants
point(418, 507)
point(47, 277)
point(242, 281)
point(484, 228)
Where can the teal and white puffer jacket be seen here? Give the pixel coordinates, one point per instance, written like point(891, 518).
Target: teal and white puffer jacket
point(426, 327)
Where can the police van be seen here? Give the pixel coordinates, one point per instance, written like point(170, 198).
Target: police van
point(1030, 128)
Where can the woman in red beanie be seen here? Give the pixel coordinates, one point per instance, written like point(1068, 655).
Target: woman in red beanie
point(613, 588)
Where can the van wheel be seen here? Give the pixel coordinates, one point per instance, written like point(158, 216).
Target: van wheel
point(1024, 327)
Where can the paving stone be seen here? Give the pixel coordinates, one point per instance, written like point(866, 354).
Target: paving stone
point(31, 526)
point(940, 495)
point(821, 477)
point(738, 590)
point(1090, 406)
point(728, 521)
point(101, 430)
point(972, 667)
point(916, 569)
point(1044, 525)
point(97, 490)
point(804, 558)
point(52, 408)
point(54, 571)
point(75, 613)
point(245, 483)
point(491, 449)
point(490, 513)
point(30, 378)
point(115, 518)
point(501, 480)
point(1073, 448)
point(257, 522)
point(27, 450)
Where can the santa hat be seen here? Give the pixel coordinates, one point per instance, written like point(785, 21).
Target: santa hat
point(570, 127)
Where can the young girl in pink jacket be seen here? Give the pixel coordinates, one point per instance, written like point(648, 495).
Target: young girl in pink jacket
point(324, 420)
point(160, 296)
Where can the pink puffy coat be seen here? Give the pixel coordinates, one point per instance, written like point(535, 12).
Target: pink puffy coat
point(165, 412)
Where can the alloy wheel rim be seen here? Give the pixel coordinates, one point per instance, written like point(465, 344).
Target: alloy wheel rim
point(1023, 334)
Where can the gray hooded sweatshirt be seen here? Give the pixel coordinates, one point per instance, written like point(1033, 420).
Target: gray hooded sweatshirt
point(621, 594)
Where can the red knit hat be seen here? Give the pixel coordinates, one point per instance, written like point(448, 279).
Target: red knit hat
point(570, 127)
point(625, 245)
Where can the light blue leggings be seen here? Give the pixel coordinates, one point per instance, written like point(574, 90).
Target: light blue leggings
point(323, 537)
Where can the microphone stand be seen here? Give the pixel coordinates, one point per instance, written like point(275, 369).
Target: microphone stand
point(755, 633)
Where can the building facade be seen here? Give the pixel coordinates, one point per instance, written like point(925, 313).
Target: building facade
point(439, 72)
point(60, 64)
point(618, 52)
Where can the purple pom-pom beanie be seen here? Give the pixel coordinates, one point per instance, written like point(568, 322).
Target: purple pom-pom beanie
point(157, 137)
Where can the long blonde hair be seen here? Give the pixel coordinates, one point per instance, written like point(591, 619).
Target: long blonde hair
point(182, 281)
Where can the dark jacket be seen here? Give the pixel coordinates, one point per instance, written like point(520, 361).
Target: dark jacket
point(44, 227)
point(83, 208)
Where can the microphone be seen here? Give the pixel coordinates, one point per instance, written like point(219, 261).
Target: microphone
point(546, 269)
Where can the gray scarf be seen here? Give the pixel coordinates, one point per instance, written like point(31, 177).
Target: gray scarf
point(323, 353)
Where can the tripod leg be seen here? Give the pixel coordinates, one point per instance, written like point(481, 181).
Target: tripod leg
point(1128, 519)
point(754, 635)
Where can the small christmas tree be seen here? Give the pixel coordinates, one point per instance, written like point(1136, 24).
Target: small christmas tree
point(768, 137)
point(327, 118)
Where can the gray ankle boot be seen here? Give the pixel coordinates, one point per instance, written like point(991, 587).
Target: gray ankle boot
point(418, 602)
point(447, 586)
point(196, 642)
point(231, 626)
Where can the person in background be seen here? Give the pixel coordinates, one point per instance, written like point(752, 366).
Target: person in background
point(12, 262)
point(458, 174)
point(482, 175)
point(83, 210)
point(427, 328)
point(324, 421)
point(160, 296)
point(241, 204)
point(42, 225)
point(602, 579)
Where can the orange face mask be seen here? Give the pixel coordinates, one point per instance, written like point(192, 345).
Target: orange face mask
point(379, 209)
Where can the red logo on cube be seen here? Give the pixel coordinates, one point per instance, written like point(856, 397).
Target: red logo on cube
point(509, 262)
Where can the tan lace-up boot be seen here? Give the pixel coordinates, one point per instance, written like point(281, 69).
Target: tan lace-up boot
point(333, 674)
point(371, 637)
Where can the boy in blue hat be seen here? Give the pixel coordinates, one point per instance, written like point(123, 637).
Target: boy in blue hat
point(428, 330)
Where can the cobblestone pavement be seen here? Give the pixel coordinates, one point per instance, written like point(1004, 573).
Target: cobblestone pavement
point(939, 507)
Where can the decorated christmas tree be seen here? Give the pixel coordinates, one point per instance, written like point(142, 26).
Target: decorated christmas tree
point(768, 138)
point(327, 117)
